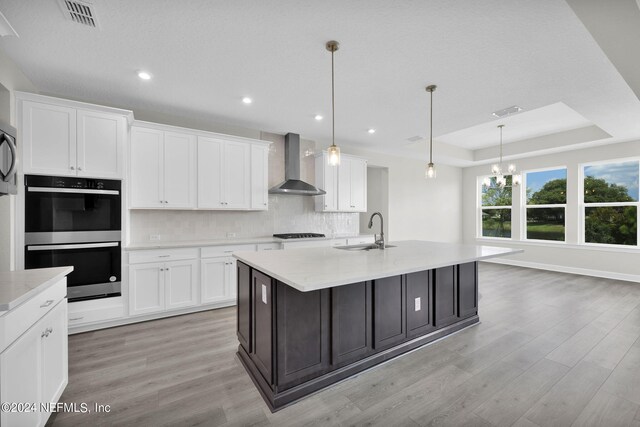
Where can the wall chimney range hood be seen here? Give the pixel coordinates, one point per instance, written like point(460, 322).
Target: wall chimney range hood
point(292, 185)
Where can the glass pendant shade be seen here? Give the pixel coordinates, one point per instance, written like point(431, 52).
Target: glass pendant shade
point(430, 172)
point(516, 179)
point(512, 168)
point(333, 155)
point(486, 181)
point(495, 169)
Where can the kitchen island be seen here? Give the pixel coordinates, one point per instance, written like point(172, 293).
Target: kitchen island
point(308, 318)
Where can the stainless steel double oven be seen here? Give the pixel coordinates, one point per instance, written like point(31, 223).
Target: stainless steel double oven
point(75, 221)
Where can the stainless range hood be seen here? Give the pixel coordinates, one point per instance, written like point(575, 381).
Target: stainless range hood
point(292, 185)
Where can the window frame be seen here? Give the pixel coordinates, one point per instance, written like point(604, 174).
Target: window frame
point(582, 205)
point(479, 181)
point(524, 206)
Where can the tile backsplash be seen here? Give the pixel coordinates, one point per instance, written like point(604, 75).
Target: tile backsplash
point(286, 214)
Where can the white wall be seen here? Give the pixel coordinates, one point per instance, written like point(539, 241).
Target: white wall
point(13, 80)
point(420, 209)
point(617, 263)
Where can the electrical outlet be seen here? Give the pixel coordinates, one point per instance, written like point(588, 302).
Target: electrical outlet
point(154, 237)
point(417, 304)
point(231, 234)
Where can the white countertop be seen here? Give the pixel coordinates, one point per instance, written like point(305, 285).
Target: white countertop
point(222, 242)
point(18, 286)
point(311, 269)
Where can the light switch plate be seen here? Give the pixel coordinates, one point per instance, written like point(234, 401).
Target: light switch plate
point(417, 304)
point(264, 294)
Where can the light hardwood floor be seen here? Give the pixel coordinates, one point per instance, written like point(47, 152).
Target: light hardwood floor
point(552, 349)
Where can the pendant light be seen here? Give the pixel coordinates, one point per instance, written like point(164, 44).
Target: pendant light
point(498, 173)
point(430, 172)
point(334, 150)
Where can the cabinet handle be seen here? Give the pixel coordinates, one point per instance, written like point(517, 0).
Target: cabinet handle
point(228, 252)
point(166, 269)
point(49, 330)
point(47, 303)
point(44, 334)
point(79, 168)
point(164, 256)
point(265, 203)
point(72, 168)
point(73, 319)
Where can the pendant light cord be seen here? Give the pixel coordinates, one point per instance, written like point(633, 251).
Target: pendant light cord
point(501, 126)
point(431, 129)
point(333, 105)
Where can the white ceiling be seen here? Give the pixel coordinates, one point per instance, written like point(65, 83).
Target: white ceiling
point(206, 55)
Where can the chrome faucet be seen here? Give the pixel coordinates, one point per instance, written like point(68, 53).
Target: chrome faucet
point(379, 243)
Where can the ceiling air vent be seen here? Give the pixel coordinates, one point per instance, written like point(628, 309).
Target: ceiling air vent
point(506, 111)
point(79, 11)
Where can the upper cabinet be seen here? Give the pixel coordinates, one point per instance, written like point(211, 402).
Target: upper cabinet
point(67, 138)
point(187, 169)
point(163, 173)
point(346, 184)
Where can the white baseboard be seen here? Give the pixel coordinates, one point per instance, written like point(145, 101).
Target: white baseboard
point(136, 319)
point(571, 270)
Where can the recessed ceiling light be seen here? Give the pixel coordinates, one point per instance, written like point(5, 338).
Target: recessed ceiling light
point(371, 131)
point(144, 75)
point(318, 117)
point(247, 100)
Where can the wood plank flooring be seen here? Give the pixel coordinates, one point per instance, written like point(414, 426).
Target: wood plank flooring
point(552, 349)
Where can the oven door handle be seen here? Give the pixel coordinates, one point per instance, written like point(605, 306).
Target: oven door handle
point(71, 190)
point(78, 246)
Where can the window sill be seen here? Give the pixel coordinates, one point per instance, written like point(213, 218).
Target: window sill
point(563, 245)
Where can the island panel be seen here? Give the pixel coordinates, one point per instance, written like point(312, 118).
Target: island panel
point(419, 311)
point(389, 311)
point(351, 322)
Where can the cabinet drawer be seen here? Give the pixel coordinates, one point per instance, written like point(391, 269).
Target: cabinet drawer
point(269, 246)
point(15, 322)
point(360, 240)
point(99, 310)
point(162, 255)
point(216, 251)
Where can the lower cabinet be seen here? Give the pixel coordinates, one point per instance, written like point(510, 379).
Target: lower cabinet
point(245, 303)
point(445, 305)
point(34, 368)
point(156, 287)
point(351, 330)
point(217, 279)
point(262, 325)
point(389, 311)
point(468, 289)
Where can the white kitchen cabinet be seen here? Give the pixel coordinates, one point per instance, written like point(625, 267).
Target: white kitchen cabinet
point(224, 174)
point(259, 177)
point(162, 169)
point(34, 367)
point(181, 285)
point(352, 184)
point(157, 287)
point(218, 277)
point(345, 185)
point(65, 138)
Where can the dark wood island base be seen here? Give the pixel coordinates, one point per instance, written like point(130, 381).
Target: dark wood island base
point(295, 343)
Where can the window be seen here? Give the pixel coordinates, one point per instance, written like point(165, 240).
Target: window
point(496, 209)
point(546, 200)
point(610, 200)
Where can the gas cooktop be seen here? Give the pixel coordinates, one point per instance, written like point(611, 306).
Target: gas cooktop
point(297, 235)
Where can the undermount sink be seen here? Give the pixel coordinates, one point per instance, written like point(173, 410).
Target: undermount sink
point(361, 247)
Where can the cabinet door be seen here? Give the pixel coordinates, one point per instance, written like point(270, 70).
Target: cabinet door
point(99, 144)
point(351, 322)
point(179, 170)
point(245, 301)
point(237, 175)
point(444, 295)
point(262, 353)
point(468, 289)
point(21, 373)
point(55, 374)
point(214, 284)
point(419, 312)
point(358, 190)
point(344, 185)
point(327, 180)
point(259, 177)
point(389, 307)
point(304, 342)
point(49, 139)
point(181, 285)
point(210, 155)
point(146, 288)
point(232, 277)
point(147, 177)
